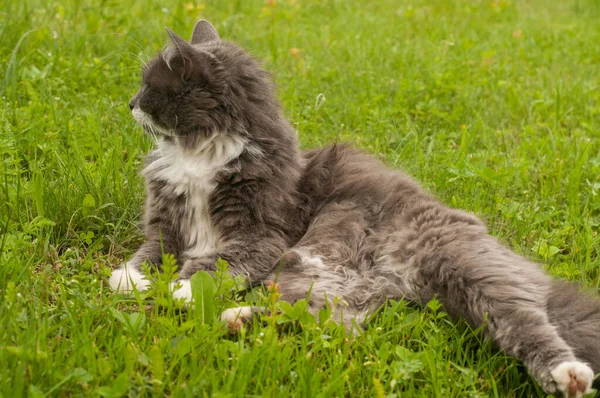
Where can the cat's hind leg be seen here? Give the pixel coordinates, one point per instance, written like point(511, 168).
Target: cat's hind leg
point(476, 278)
point(324, 266)
point(576, 315)
point(306, 276)
point(331, 263)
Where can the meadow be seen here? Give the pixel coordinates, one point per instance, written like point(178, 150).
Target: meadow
point(493, 105)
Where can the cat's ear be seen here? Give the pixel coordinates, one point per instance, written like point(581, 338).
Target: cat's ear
point(204, 33)
point(181, 60)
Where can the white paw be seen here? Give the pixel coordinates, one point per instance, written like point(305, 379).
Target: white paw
point(573, 379)
point(124, 278)
point(236, 317)
point(183, 292)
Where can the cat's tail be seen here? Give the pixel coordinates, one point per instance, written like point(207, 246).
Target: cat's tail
point(576, 315)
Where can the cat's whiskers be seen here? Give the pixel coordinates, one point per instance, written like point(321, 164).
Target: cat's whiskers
point(152, 133)
point(148, 125)
point(138, 46)
point(144, 63)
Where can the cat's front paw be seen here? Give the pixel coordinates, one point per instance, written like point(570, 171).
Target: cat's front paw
point(573, 379)
point(182, 289)
point(124, 278)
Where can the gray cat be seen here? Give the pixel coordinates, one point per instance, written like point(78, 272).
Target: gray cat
point(228, 181)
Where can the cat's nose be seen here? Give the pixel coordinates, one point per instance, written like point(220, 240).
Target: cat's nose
point(131, 106)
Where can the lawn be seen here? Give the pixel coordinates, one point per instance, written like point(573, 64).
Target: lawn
point(493, 105)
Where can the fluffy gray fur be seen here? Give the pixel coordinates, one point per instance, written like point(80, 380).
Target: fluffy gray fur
point(228, 181)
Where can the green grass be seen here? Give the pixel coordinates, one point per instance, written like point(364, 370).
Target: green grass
point(493, 105)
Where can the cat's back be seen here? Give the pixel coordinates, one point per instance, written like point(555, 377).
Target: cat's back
point(341, 172)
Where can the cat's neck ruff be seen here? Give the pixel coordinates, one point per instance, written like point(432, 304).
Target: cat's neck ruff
point(183, 167)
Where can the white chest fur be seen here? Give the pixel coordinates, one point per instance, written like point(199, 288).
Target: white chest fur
point(192, 173)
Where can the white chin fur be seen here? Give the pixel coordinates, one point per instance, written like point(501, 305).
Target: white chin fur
point(124, 278)
point(573, 379)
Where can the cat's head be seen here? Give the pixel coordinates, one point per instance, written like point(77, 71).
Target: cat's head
point(200, 88)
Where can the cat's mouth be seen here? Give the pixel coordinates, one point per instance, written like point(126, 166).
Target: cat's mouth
point(149, 125)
